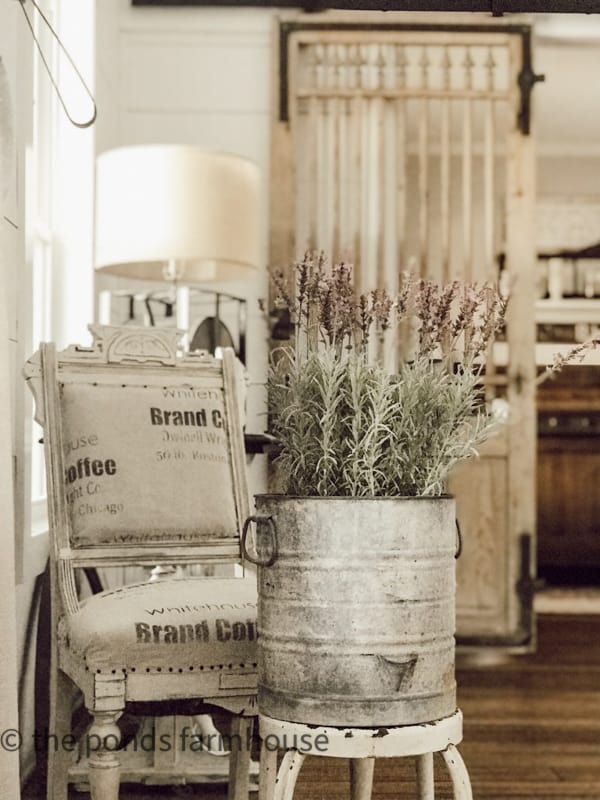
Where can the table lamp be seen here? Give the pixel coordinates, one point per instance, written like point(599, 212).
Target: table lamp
point(179, 214)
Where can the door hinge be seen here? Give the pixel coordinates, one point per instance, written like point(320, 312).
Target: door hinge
point(527, 80)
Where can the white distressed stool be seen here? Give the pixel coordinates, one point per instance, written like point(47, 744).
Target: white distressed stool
point(362, 746)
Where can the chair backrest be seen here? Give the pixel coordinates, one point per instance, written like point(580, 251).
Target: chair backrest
point(144, 449)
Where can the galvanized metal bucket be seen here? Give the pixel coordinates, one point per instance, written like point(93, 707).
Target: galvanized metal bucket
point(356, 608)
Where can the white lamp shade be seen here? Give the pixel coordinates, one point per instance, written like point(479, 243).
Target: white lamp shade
point(175, 203)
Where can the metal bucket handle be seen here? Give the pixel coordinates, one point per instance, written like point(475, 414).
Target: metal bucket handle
point(273, 533)
point(459, 544)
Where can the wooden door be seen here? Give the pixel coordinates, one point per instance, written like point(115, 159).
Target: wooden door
point(407, 145)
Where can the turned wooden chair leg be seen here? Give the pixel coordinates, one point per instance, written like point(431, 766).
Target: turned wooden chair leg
point(458, 773)
point(288, 775)
point(268, 772)
point(239, 759)
point(59, 756)
point(102, 741)
point(361, 778)
point(425, 785)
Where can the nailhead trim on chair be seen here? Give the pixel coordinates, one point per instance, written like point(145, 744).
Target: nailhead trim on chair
point(201, 667)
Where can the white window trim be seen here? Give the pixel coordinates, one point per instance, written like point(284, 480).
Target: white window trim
point(61, 165)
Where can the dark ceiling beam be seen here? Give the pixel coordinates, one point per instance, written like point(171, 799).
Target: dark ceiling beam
point(494, 7)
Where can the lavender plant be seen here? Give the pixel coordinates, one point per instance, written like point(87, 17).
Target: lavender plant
point(575, 354)
point(348, 426)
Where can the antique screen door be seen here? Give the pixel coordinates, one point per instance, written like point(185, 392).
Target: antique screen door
point(401, 146)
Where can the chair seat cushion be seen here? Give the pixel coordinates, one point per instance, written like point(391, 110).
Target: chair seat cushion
point(170, 625)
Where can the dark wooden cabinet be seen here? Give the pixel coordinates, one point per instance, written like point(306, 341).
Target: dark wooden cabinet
point(568, 476)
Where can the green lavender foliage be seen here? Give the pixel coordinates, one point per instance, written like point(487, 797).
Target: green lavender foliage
point(345, 425)
point(349, 428)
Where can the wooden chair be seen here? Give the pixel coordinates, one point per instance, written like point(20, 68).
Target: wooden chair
point(145, 465)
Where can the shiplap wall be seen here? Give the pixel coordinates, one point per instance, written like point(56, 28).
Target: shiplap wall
point(16, 95)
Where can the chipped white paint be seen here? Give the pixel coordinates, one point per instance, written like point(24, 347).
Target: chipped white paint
point(362, 745)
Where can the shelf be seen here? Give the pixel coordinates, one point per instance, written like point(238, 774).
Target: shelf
point(568, 311)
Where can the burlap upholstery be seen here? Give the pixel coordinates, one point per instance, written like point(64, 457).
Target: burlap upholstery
point(175, 625)
point(141, 461)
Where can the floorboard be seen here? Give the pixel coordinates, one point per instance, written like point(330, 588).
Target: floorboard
point(532, 730)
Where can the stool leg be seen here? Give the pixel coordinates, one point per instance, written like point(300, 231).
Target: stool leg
point(425, 787)
point(458, 773)
point(288, 775)
point(361, 778)
point(268, 773)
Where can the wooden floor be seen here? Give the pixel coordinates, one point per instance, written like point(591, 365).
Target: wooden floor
point(532, 730)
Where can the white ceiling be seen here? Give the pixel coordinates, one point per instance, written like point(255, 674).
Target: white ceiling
point(567, 104)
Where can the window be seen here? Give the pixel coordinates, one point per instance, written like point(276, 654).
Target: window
point(39, 226)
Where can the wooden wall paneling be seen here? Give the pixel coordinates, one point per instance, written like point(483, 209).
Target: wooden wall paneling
point(489, 158)
point(306, 153)
point(340, 213)
point(333, 154)
point(467, 173)
point(358, 159)
point(423, 163)
point(401, 177)
point(322, 219)
point(392, 266)
point(379, 230)
point(370, 254)
point(345, 187)
point(304, 186)
point(480, 487)
point(489, 265)
point(445, 177)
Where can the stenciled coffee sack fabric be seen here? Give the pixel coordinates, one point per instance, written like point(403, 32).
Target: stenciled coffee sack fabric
point(187, 624)
point(146, 463)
